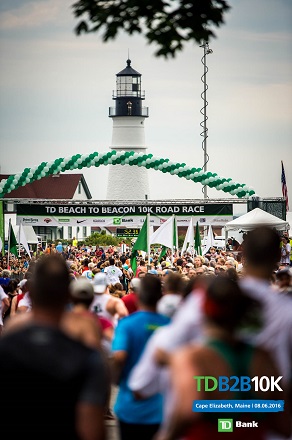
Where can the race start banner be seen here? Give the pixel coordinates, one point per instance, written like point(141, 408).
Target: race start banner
point(124, 215)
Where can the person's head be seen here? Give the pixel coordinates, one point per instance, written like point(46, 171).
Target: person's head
point(150, 291)
point(111, 261)
point(283, 278)
point(192, 273)
point(49, 285)
point(229, 263)
point(12, 286)
point(173, 283)
point(85, 262)
point(81, 292)
point(135, 285)
point(200, 271)
point(226, 306)
point(261, 250)
point(232, 274)
point(100, 283)
point(6, 273)
point(198, 261)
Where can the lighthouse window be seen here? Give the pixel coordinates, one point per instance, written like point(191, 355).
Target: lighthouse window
point(135, 80)
point(135, 87)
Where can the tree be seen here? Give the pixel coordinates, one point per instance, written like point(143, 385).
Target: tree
point(169, 24)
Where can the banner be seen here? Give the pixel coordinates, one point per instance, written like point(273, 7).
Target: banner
point(125, 215)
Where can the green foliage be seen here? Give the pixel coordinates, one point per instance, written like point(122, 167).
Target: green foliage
point(169, 24)
point(180, 240)
point(101, 239)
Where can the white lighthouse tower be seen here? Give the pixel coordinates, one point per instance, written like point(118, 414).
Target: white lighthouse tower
point(128, 182)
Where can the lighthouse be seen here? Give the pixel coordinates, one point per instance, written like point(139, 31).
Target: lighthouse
point(127, 182)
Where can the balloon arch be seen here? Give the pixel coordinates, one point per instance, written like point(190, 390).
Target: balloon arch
point(113, 157)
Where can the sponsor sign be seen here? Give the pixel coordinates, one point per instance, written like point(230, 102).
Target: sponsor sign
point(130, 215)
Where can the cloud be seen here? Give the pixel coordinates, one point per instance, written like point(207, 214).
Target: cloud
point(31, 15)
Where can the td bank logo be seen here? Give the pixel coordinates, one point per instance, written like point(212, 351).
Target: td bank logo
point(117, 221)
point(225, 425)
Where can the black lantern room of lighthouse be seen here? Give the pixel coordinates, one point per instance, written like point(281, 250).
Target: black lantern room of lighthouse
point(128, 95)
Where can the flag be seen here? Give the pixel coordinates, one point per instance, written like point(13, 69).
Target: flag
point(189, 238)
point(198, 247)
point(284, 187)
point(162, 253)
point(165, 234)
point(12, 241)
point(210, 240)
point(22, 239)
point(141, 244)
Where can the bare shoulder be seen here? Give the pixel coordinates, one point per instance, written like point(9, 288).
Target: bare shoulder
point(190, 352)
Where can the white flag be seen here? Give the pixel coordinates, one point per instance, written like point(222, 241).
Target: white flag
point(210, 240)
point(22, 239)
point(1, 244)
point(189, 238)
point(164, 234)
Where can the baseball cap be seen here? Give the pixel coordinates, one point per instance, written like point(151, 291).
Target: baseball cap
point(81, 288)
point(135, 283)
point(153, 272)
point(21, 283)
point(100, 282)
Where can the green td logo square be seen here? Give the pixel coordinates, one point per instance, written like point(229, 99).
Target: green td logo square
point(117, 221)
point(225, 425)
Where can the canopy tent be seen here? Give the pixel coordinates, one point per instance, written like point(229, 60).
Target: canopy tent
point(255, 218)
point(30, 235)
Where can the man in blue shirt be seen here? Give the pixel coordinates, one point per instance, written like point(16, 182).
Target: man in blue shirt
point(59, 247)
point(138, 419)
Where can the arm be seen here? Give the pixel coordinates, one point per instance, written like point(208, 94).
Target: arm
point(183, 387)
point(5, 304)
point(120, 349)
point(118, 362)
point(90, 422)
point(117, 306)
point(13, 306)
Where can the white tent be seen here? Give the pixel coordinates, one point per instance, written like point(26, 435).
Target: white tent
point(255, 218)
point(31, 236)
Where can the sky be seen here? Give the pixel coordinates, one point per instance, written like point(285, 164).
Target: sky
point(56, 87)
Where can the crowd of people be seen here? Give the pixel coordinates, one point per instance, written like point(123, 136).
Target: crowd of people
point(80, 320)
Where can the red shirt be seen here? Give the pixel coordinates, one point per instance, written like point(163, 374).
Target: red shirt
point(131, 302)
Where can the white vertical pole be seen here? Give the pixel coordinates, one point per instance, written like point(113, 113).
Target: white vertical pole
point(148, 238)
point(9, 230)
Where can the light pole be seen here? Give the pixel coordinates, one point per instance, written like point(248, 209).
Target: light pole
point(203, 111)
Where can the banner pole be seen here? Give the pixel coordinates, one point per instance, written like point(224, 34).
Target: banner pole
point(9, 232)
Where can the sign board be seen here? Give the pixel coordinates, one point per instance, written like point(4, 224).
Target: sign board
point(125, 215)
point(127, 232)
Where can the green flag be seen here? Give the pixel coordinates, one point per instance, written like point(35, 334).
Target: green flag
point(162, 253)
point(12, 241)
point(141, 244)
point(198, 247)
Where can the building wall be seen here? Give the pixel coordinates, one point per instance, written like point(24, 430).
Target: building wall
point(128, 182)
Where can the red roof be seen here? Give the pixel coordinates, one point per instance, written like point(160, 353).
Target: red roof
point(59, 186)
